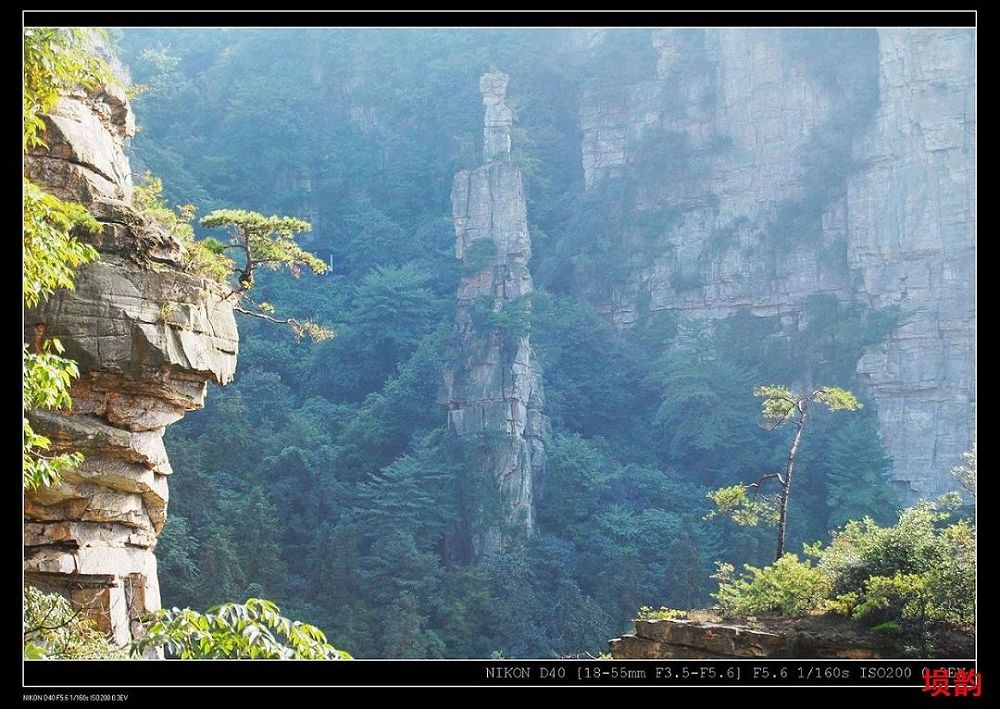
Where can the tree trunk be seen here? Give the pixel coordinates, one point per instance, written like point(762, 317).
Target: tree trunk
point(787, 487)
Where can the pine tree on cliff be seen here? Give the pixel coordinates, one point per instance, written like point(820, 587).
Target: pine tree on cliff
point(748, 505)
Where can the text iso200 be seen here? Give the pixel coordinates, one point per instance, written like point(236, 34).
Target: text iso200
point(886, 672)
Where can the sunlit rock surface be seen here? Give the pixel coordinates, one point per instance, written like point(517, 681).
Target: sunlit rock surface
point(148, 339)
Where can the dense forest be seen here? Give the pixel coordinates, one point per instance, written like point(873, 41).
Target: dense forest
point(326, 478)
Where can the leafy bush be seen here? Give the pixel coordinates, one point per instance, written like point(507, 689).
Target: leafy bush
point(917, 572)
point(786, 587)
point(51, 254)
point(54, 630)
point(743, 508)
point(253, 630)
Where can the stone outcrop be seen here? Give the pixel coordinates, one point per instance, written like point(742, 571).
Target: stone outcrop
point(810, 637)
point(498, 118)
point(911, 230)
point(148, 339)
point(492, 387)
point(794, 174)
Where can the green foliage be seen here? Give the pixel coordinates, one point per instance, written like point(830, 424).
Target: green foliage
point(478, 255)
point(705, 414)
point(47, 377)
point(308, 328)
point(904, 579)
point(918, 571)
point(837, 399)
point(855, 469)
point(56, 61)
point(746, 504)
point(787, 587)
point(267, 242)
point(45, 382)
point(573, 344)
point(890, 627)
point(50, 251)
point(744, 509)
point(203, 257)
point(393, 311)
point(513, 320)
point(661, 613)
point(780, 405)
point(252, 630)
point(384, 319)
point(177, 553)
point(52, 629)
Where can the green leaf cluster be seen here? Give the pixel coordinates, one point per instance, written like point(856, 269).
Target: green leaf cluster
point(513, 320)
point(266, 241)
point(46, 378)
point(50, 252)
point(921, 570)
point(53, 629)
point(252, 630)
point(55, 62)
point(787, 587)
point(744, 509)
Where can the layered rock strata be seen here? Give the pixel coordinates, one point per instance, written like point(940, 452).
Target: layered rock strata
point(707, 636)
point(148, 339)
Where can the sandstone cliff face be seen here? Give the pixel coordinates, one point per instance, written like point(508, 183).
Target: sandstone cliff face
point(742, 113)
point(492, 387)
point(795, 174)
point(911, 227)
point(148, 338)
